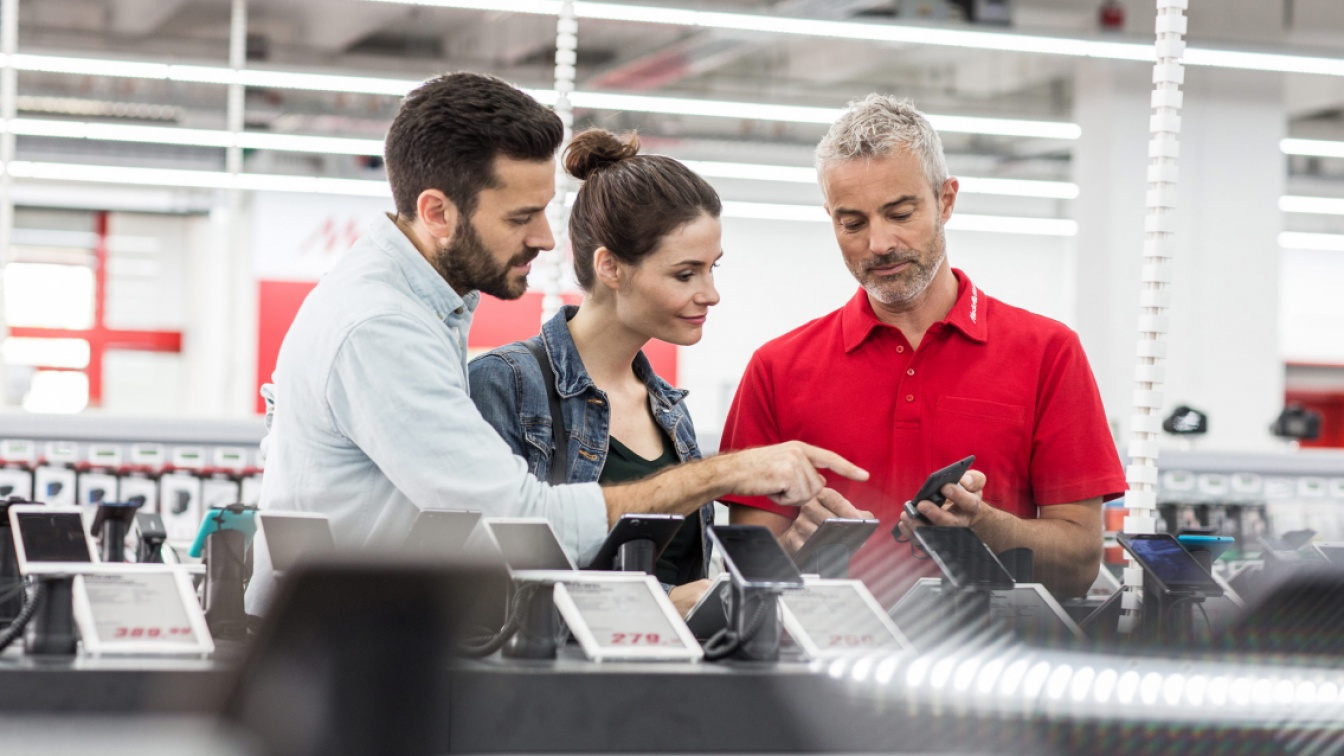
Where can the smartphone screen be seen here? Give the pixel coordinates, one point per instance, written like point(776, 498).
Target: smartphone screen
point(755, 555)
point(55, 537)
point(1171, 563)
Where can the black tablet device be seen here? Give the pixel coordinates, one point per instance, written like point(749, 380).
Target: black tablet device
point(1165, 560)
point(963, 558)
point(754, 558)
point(658, 528)
point(841, 532)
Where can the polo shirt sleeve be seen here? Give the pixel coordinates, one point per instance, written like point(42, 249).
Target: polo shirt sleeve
point(1073, 456)
point(750, 423)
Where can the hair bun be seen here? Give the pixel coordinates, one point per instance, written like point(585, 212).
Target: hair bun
point(594, 149)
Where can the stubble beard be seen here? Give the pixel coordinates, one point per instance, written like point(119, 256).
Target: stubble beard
point(905, 288)
point(466, 264)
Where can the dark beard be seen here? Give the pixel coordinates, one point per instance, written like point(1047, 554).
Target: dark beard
point(466, 265)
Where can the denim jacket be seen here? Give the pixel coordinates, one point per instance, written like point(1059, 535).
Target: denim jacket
point(507, 387)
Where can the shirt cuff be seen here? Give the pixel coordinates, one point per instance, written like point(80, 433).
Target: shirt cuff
point(586, 522)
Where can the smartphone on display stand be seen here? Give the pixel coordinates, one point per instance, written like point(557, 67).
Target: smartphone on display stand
point(834, 534)
point(1165, 560)
point(932, 490)
point(240, 517)
point(964, 559)
point(754, 558)
point(1216, 545)
point(1331, 551)
point(50, 540)
point(659, 529)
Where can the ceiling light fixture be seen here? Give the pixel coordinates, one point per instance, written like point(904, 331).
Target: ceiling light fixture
point(959, 222)
point(799, 175)
point(118, 132)
point(1312, 148)
point(1314, 205)
point(1312, 242)
point(592, 100)
point(1005, 41)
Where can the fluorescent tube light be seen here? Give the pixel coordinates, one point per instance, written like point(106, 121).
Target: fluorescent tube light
point(959, 222)
point(904, 34)
point(108, 174)
point(1312, 148)
point(116, 132)
point(799, 175)
point(1315, 205)
point(1317, 242)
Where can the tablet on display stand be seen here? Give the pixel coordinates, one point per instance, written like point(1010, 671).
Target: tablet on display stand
point(140, 609)
point(624, 616)
point(51, 540)
point(838, 618)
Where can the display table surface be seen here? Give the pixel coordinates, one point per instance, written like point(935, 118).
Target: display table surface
point(571, 704)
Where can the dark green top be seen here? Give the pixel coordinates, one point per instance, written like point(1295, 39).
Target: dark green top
point(681, 562)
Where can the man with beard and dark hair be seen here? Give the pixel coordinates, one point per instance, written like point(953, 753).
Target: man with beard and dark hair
point(921, 369)
point(370, 419)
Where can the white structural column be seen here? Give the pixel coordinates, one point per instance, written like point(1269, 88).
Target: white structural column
point(9, 45)
point(1222, 353)
point(566, 58)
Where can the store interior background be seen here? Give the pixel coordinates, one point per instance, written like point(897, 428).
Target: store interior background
point(208, 287)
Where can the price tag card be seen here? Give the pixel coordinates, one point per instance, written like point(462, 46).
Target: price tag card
point(140, 609)
point(838, 617)
point(624, 616)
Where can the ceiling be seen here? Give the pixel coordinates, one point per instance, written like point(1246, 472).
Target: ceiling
point(413, 42)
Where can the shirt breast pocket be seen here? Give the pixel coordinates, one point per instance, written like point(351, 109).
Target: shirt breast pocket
point(996, 433)
point(537, 447)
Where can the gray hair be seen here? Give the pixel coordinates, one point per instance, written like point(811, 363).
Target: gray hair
point(876, 126)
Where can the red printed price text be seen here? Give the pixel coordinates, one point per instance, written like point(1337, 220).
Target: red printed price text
point(151, 632)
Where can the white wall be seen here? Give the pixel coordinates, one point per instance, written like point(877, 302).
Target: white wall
point(1311, 296)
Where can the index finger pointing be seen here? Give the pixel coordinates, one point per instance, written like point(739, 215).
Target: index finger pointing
point(831, 461)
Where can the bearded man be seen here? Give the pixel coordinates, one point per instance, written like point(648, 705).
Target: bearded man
point(921, 369)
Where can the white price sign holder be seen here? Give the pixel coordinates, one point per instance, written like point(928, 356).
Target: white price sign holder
point(140, 609)
point(624, 616)
point(838, 618)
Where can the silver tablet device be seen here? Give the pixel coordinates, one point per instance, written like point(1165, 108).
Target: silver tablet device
point(442, 531)
point(530, 547)
point(838, 618)
point(51, 540)
point(1333, 551)
point(140, 609)
point(292, 536)
point(619, 615)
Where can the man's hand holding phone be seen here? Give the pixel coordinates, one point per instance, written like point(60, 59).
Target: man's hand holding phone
point(962, 505)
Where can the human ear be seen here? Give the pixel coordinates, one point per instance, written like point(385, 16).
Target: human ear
point(607, 268)
point(438, 214)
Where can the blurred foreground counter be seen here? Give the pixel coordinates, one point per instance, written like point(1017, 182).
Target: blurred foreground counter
point(1006, 700)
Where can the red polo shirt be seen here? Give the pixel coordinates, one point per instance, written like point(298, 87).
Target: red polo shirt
point(1008, 386)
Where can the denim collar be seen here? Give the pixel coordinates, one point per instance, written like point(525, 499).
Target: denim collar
point(967, 315)
point(425, 282)
point(572, 378)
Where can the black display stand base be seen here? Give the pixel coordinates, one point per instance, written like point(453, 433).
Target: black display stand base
point(635, 556)
point(538, 629)
point(755, 618)
point(51, 631)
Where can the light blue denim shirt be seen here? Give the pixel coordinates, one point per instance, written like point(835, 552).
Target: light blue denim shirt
point(371, 418)
point(507, 386)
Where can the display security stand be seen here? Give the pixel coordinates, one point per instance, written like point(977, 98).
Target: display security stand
point(635, 556)
point(754, 617)
point(52, 629)
point(225, 573)
point(538, 627)
point(149, 547)
point(110, 525)
point(10, 580)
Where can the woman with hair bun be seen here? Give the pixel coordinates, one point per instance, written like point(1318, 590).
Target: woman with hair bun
point(646, 236)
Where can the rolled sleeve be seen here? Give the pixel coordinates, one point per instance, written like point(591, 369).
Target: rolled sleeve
point(397, 391)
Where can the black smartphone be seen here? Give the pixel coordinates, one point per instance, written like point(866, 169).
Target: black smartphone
point(932, 490)
point(1166, 561)
point(658, 528)
point(1214, 544)
point(841, 532)
point(963, 558)
point(754, 558)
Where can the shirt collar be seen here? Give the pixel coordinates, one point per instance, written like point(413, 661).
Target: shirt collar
point(571, 376)
point(425, 282)
point(968, 314)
